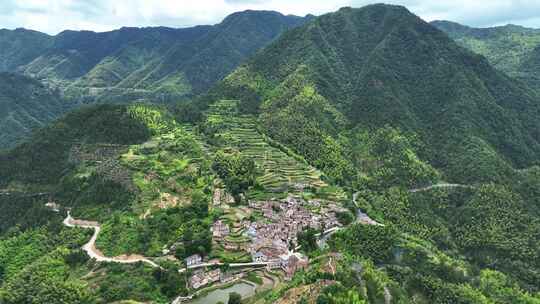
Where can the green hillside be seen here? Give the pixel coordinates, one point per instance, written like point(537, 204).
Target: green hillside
point(45, 157)
point(26, 105)
point(381, 65)
point(511, 49)
point(281, 171)
point(383, 102)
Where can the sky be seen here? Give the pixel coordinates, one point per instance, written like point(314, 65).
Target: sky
point(53, 16)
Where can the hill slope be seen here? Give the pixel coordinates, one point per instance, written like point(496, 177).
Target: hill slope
point(511, 49)
point(25, 104)
point(369, 67)
point(20, 46)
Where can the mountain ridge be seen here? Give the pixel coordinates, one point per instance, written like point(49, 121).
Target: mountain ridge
point(382, 65)
point(72, 59)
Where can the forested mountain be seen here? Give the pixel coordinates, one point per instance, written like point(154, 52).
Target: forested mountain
point(155, 64)
point(26, 104)
point(21, 46)
point(512, 49)
point(381, 65)
point(362, 157)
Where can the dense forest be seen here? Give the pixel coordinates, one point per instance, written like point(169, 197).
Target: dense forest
point(26, 105)
point(512, 49)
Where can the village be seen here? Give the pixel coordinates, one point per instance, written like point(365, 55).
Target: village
point(270, 236)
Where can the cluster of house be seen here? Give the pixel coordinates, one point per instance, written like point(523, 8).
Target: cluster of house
point(201, 278)
point(286, 219)
point(271, 238)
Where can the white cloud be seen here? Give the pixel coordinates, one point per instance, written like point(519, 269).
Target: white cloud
point(53, 16)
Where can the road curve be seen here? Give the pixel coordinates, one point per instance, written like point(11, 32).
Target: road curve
point(362, 217)
point(94, 253)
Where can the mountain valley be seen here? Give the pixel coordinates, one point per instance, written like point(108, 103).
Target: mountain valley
point(361, 156)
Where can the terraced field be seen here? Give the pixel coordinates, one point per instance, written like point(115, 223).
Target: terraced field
point(282, 171)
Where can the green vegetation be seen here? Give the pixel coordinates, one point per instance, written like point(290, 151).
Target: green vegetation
point(104, 179)
point(156, 64)
point(389, 158)
point(237, 172)
point(20, 212)
point(307, 239)
point(26, 105)
point(21, 46)
point(279, 169)
point(188, 227)
point(44, 158)
point(371, 100)
point(36, 264)
point(512, 49)
point(253, 277)
point(130, 64)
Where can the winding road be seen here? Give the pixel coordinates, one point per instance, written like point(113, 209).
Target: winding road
point(442, 185)
point(94, 253)
point(362, 217)
point(2, 192)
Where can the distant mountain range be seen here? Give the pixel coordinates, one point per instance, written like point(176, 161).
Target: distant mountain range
point(512, 49)
point(154, 64)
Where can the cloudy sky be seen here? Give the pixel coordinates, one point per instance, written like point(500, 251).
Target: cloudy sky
point(53, 16)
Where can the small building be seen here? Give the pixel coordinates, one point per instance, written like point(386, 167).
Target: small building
point(292, 262)
point(53, 206)
point(216, 199)
point(252, 231)
point(273, 264)
point(214, 275)
point(193, 260)
point(226, 277)
point(259, 257)
point(198, 280)
point(220, 230)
